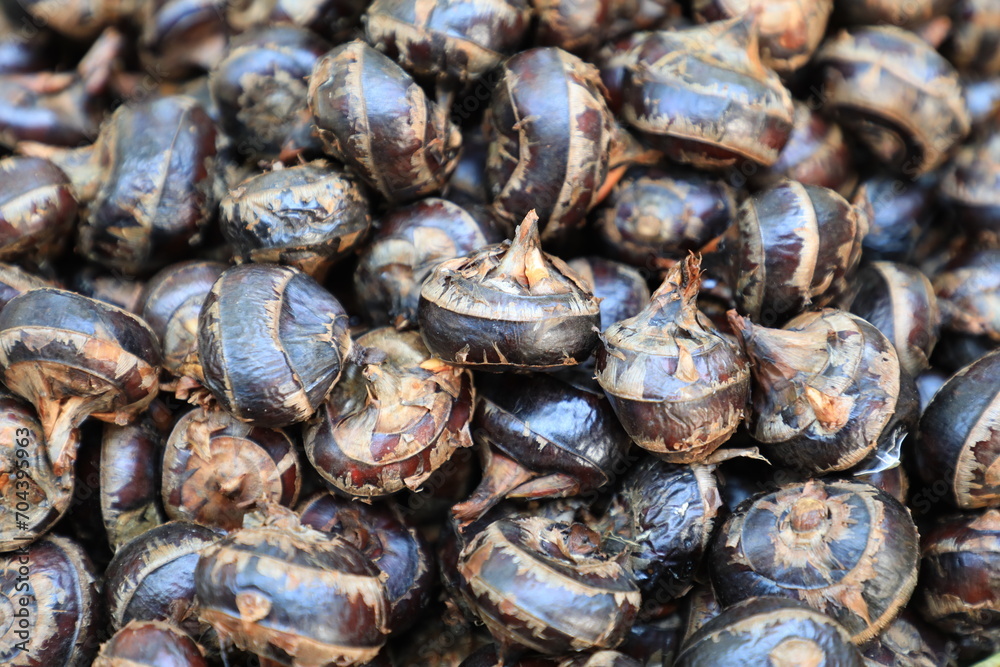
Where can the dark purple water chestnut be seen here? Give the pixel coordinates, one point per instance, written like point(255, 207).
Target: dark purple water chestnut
point(667, 101)
point(397, 415)
point(509, 306)
point(542, 436)
point(151, 644)
point(899, 301)
point(37, 208)
point(622, 290)
point(395, 546)
point(958, 448)
point(151, 577)
point(790, 31)
point(581, 26)
point(156, 191)
point(677, 384)
point(549, 131)
point(33, 497)
point(959, 572)
point(896, 94)
point(215, 468)
point(660, 213)
point(666, 513)
point(817, 153)
point(547, 587)
point(291, 594)
point(130, 477)
point(770, 631)
point(74, 357)
point(260, 88)
point(272, 342)
point(843, 547)
point(179, 38)
point(171, 304)
point(826, 388)
point(968, 292)
point(449, 41)
point(408, 245)
point(373, 117)
point(793, 247)
point(970, 184)
point(50, 595)
point(309, 216)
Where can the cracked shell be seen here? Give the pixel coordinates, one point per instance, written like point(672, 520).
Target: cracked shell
point(396, 416)
point(844, 548)
point(272, 343)
point(309, 216)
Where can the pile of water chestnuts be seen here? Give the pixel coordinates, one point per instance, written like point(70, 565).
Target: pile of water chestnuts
point(499, 333)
